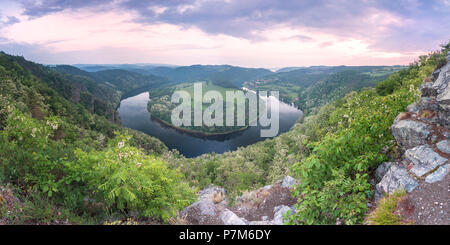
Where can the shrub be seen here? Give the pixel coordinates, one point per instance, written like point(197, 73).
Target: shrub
point(126, 180)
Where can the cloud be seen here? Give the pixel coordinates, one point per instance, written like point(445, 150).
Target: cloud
point(387, 24)
point(10, 20)
point(40, 8)
point(259, 32)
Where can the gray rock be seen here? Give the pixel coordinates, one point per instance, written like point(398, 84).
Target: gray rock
point(444, 115)
point(427, 89)
point(396, 178)
point(446, 134)
point(427, 103)
point(212, 192)
point(444, 146)
point(230, 218)
point(382, 170)
point(267, 187)
point(202, 212)
point(443, 98)
point(208, 192)
point(438, 175)
point(260, 223)
point(424, 159)
point(278, 216)
point(289, 182)
point(435, 74)
point(441, 82)
point(413, 108)
point(409, 133)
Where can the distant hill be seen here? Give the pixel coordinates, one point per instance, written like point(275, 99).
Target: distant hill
point(288, 69)
point(223, 75)
point(122, 80)
point(140, 68)
point(311, 87)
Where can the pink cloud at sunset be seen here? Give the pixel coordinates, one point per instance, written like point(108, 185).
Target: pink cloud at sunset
point(113, 32)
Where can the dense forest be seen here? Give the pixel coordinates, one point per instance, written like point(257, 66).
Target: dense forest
point(161, 107)
point(312, 87)
point(64, 160)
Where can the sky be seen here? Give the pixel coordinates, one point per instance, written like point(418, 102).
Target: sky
point(250, 33)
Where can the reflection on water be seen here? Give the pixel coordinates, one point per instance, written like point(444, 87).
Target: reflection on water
point(133, 114)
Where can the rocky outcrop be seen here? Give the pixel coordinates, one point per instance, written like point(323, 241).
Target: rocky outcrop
point(264, 206)
point(423, 133)
point(444, 146)
point(423, 160)
point(382, 170)
point(202, 212)
point(410, 133)
point(396, 178)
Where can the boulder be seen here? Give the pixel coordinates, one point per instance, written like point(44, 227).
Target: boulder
point(424, 159)
point(396, 178)
point(427, 90)
point(438, 175)
point(279, 212)
point(215, 193)
point(410, 133)
point(289, 182)
point(435, 74)
point(444, 115)
point(202, 212)
point(427, 103)
point(441, 82)
point(229, 218)
point(443, 98)
point(413, 108)
point(444, 146)
point(382, 170)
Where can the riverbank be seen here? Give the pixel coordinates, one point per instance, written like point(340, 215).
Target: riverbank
point(196, 133)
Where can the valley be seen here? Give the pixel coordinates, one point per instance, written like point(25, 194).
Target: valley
point(67, 158)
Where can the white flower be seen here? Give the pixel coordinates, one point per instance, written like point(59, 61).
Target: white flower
point(121, 144)
point(33, 132)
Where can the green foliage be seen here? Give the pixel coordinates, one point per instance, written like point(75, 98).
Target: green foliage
point(412, 75)
point(125, 179)
point(312, 87)
point(334, 178)
point(342, 198)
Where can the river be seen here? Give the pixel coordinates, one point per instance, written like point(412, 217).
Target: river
point(134, 114)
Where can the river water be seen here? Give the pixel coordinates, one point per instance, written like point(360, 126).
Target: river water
point(134, 114)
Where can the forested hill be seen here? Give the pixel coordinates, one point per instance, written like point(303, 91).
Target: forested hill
point(222, 75)
point(309, 88)
point(97, 98)
point(123, 80)
point(61, 164)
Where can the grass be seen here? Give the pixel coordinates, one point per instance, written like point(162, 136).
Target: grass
point(384, 214)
